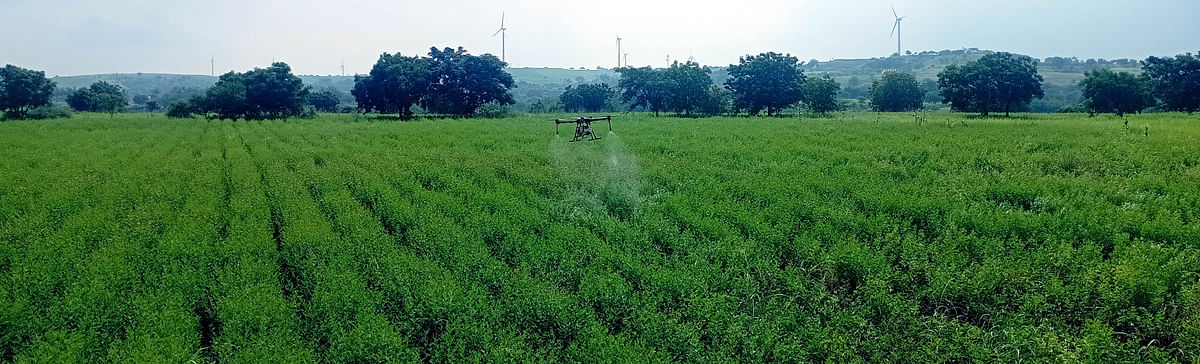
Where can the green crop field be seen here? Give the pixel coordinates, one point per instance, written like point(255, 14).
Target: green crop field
point(856, 238)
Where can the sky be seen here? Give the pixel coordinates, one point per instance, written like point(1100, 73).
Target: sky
point(72, 37)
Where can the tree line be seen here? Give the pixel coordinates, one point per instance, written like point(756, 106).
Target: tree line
point(453, 82)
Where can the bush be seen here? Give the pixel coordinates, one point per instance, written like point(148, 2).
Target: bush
point(181, 109)
point(492, 110)
point(52, 111)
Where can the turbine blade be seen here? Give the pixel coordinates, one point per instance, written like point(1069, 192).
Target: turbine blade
point(501, 19)
point(894, 29)
point(497, 32)
point(894, 11)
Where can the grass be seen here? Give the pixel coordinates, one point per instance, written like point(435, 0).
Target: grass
point(855, 238)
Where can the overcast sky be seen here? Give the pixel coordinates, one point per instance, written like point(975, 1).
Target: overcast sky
point(70, 37)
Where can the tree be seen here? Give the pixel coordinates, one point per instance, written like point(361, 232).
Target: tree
point(141, 99)
point(395, 84)
point(586, 97)
point(22, 90)
point(460, 83)
point(768, 81)
point(101, 96)
point(644, 87)
point(324, 101)
point(152, 105)
point(687, 86)
point(1119, 93)
point(1176, 81)
point(997, 81)
point(263, 93)
point(718, 100)
point(181, 109)
point(897, 92)
point(821, 94)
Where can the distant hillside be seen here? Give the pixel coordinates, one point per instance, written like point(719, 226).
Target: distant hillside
point(534, 84)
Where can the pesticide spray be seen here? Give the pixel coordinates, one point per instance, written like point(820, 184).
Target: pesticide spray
point(604, 178)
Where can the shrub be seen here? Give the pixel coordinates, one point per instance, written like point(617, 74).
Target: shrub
point(181, 109)
point(52, 111)
point(492, 110)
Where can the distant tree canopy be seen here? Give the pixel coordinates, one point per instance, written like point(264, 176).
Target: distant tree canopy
point(1176, 81)
point(323, 101)
point(897, 92)
point(995, 82)
point(460, 83)
point(449, 81)
point(644, 87)
point(768, 81)
point(99, 97)
point(590, 97)
point(687, 86)
point(395, 84)
point(821, 94)
point(22, 90)
point(263, 93)
point(1119, 93)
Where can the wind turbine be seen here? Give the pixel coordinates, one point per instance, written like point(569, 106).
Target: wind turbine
point(343, 68)
point(626, 59)
point(896, 30)
point(618, 51)
point(212, 64)
point(502, 34)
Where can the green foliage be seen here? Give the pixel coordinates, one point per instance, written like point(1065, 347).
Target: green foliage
point(181, 109)
point(897, 92)
point(821, 94)
point(99, 97)
point(1116, 92)
point(688, 86)
point(588, 97)
point(1048, 238)
point(459, 83)
point(1176, 81)
point(324, 100)
point(996, 82)
point(52, 111)
point(22, 90)
point(769, 81)
point(395, 84)
point(646, 88)
point(717, 101)
point(262, 93)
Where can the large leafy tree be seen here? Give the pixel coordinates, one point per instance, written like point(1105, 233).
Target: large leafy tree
point(324, 100)
point(644, 87)
point(99, 97)
point(395, 84)
point(821, 94)
point(995, 82)
point(687, 86)
point(590, 97)
point(22, 90)
point(1116, 92)
point(263, 93)
point(459, 83)
point(896, 92)
point(1176, 81)
point(768, 81)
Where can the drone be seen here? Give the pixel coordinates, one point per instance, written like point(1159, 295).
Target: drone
point(583, 127)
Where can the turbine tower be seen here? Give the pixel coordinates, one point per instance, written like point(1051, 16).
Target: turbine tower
point(896, 30)
point(212, 65)
point(343, 68)
point(626, 59)
point(618, 51)
point(503, 34)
